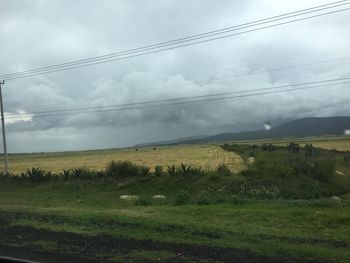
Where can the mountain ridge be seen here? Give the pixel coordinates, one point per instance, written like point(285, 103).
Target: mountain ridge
point(304, 127)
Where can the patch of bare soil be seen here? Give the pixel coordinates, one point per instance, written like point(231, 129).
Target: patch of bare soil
point(71, 247)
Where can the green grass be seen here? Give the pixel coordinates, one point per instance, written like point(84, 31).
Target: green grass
point(300, 222)
point(256, 225)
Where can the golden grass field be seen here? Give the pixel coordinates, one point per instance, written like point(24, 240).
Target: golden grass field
point(205, 156)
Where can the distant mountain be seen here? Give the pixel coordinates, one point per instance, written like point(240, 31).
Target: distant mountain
point(314, 126)
point(171, 142)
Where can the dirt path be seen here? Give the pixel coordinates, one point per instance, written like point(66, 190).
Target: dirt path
point(28, 253)
point(83, 248)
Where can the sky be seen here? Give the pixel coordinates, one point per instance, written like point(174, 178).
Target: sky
point(38, 33)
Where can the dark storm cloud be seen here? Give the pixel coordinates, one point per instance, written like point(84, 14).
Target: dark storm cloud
point(47, 32)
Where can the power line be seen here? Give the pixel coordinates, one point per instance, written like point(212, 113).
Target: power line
point(185, 98)
point(165, 49)
point(175, 40)
point(86, 62)
point(186, 102)
point(176, 101)
point(203, 82)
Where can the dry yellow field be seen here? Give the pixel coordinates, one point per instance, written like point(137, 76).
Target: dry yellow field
point(206, 156)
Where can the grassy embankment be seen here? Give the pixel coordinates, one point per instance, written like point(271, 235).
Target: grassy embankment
point(269, 212)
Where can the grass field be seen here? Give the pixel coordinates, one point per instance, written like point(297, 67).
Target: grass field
point(205, 156)
point(88, 220)
point(283, 207)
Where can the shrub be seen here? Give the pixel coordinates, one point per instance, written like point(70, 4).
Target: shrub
point(203, 200)
point(214, 177)
point(121, 169)
point(158, 170)
point(268, 147)
point(142, 200)
point(293, 147)
point(181, 198)
point(323, 170)
point(126, 169)
point(219, 199)
point(347, 157)
point(236, 200)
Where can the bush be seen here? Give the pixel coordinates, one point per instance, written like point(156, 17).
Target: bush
point(121, 169)
point(293, 147)
point(203, 200)
point(323, 170)
point(158, 170)
point(268, 147)
point(143, 201)
point(126, 169)
point(214, 177)
point(236, 200)
point(181, 198)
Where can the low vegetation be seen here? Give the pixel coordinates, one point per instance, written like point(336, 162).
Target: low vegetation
point(291, 203)
point(288, 171)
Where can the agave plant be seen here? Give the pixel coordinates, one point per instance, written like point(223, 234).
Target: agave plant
point(36, 174)
point(223, 169)
point(66, 174)
point(82, 173)
point(143, 170)
point(184, 169)
point(171, 170)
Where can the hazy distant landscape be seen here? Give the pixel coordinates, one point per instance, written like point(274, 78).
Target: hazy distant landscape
point(307, 127)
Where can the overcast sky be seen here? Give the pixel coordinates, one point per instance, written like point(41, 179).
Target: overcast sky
point(40, 33)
